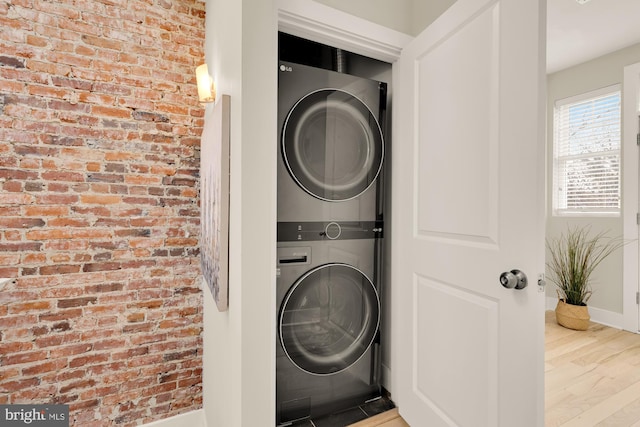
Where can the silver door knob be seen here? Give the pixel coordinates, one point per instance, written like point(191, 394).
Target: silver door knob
point(514, 279)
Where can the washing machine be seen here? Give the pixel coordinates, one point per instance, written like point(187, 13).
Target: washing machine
point(327, 350)
point(331, 147)
point(330, 225)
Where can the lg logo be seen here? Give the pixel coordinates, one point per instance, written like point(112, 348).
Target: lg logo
point(285, 68)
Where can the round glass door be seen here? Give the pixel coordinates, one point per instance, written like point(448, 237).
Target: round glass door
point(329, 318)
point(332, 145)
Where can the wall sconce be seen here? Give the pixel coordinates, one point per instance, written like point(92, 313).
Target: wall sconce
point(206, 87)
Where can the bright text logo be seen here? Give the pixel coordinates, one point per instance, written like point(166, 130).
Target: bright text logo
point(34, 415)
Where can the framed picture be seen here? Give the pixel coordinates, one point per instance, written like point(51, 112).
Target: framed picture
point(214, 202)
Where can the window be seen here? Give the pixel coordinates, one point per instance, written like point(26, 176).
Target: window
point(586, 175)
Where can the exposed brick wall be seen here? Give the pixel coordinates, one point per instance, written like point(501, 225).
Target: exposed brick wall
point(99, 219)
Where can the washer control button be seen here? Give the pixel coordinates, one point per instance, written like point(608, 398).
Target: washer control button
point(332, 230)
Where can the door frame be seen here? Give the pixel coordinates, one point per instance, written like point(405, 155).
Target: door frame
point(323, 24)
point(630, 196)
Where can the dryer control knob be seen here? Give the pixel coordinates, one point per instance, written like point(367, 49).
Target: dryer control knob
point(332, 230)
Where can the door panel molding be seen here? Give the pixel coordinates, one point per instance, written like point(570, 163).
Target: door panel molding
point(467, 207)
point(471, 352)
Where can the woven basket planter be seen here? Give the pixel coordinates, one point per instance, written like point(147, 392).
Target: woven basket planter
point(572, 316)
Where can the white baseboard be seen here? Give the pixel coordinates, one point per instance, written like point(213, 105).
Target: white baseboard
point(598, 315)
point(191, 419)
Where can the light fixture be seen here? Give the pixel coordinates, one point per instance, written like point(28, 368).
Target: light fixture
point(582, 1)
point(206, 87)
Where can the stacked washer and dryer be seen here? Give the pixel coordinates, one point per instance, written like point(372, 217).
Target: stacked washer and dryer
point(330, 224)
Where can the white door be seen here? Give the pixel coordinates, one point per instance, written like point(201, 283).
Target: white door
point(467, 205)
point(631, 196)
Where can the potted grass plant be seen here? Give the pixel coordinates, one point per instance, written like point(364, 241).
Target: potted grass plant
point(573, 258)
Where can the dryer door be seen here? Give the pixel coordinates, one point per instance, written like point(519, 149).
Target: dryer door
point(329, 319)
point(332, 145)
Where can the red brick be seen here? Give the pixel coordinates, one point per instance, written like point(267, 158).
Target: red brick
point(43, 211)
point(149, 304)
point(114, 112)
point(50, 341)
point(12, 386)
point(43, 368)
point(78, 385)
point(12, 186)
point(88, 360)
point(65, 233)
point(109, 344)
point(58, 233)
point(10, 373)
point(24, 357)
point(9, 258)
point(16, 347)
point(59, 269)
point(69, 222)
point(23, 307)
point(135, 317)
point(182, 242)
point(76, 302)
point(146, 243)
point(100, 199)
point(16, 321)
point(102, 266)
point(56, 199)
point(187, 332)
point(61, 327)
point(15, 199)
point(9, 210)
point(174, 323)
point(20, 247)
point(137, 327)
point(66, 245)
point(63, 176)
point(100, 173)
point(61, 315)
point(39, 330)
point(190, 382)
point(105, 287)
point(9, 222)
point(103, 310)
point(77, 406)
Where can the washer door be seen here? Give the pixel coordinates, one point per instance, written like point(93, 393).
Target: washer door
point(332, 145)
point(329, 318)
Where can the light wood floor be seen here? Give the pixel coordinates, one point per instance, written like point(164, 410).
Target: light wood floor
point(386, 419)
point(592, 378)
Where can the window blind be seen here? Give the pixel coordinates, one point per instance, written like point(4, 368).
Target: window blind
point(587, 155)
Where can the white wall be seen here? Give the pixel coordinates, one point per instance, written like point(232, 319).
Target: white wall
point(424, 13)
point(395, 14)
point(601, 72)
point(238, 371)
point(406, 16)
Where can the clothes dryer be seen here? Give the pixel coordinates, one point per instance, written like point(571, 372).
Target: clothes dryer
point(331, 145)
point(327, 356)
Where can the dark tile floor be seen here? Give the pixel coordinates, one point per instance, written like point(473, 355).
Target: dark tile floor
point(349, 416)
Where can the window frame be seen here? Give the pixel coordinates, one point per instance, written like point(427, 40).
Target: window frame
point(557, 211)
